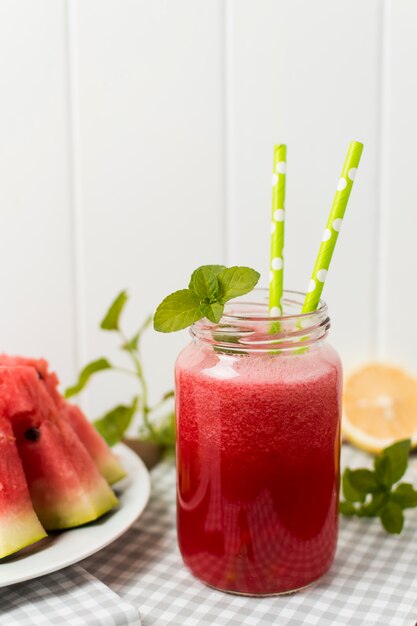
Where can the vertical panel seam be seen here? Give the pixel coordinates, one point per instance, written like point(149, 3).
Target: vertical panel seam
point(74, 182)
point(382, 190)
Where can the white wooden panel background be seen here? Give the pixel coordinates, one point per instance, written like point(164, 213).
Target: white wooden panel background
point(136, 144)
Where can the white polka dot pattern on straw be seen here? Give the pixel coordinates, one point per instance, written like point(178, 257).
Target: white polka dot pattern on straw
point(279, 215)
point(277, 233)
point(333, 226)
point(277, 263)
point(321, 275)
point(337, 224)
point(311, 286)
point(275, 311)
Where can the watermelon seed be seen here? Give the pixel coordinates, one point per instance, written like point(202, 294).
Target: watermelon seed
point(33, 434)
point(39, 375)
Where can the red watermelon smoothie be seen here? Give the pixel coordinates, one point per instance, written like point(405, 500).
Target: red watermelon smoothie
point(258, 445)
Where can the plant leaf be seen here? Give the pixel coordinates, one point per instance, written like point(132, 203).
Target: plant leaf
point(236, 281)
point(364, 480)
point(113, 425)
point(372, 508)
point(133, 344)
point(405, 495)
point(204, 282)
point(351, 494)
point(92, 368)
point(383, 470)
point(346, 508)
point(111, 319)
point(392, 518)
point(178, 310)
point(212, 311)
point(163, 433)
point(398, 453)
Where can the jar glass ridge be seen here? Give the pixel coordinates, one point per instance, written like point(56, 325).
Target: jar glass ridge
point(258, 445)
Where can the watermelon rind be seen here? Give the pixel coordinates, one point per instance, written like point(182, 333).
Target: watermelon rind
point(18, 531)
point(68, 512)
point(19, 525)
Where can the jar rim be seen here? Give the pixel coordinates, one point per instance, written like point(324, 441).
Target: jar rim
point(254, 331)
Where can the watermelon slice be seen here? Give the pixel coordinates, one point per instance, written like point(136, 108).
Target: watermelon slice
point(65, 486)
point(106, 461)
point(19, 526)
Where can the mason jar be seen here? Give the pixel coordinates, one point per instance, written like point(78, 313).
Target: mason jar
point(258, 404)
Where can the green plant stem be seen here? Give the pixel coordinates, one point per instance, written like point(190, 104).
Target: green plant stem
point(124, 370)
point(144, 387)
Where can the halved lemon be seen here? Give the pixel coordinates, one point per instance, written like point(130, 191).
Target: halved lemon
point(379, 407)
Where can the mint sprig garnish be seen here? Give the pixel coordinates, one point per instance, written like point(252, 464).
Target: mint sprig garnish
point(210, 287)
point(372, 493)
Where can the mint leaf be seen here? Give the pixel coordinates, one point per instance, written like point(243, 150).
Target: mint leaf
point(351, 494)
point(392, 518)
point(85, 375)
point(364, 480)
point(179, 310)
point(383, 470)
point(372, 508)
point(347, 508)
point(398, 453)
point(204, 282)
point(213, 311)
point(236, 281)
point(114, 424)
point(210, 287)
point(111, 319)
point(405, 496)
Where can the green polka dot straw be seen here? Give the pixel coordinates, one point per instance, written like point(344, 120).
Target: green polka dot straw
point(277, 230)
point(334, 223)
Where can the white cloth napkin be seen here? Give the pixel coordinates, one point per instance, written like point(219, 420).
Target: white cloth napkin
point(71, 597)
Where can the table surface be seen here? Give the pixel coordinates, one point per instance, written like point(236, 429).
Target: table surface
point(372, 580)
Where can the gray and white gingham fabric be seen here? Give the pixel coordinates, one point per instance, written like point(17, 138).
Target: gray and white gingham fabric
point(373, 580)
point(71, 597)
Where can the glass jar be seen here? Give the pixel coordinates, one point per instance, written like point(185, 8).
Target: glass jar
point(258, 447)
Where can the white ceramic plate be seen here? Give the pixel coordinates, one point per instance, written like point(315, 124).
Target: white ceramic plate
point(65, 548)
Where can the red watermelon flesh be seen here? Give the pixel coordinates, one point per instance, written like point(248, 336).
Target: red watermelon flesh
point(107, 462)
point(19, 525)
point(65, 486)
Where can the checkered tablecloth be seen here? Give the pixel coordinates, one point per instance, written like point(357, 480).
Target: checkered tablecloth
point(373, 580)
